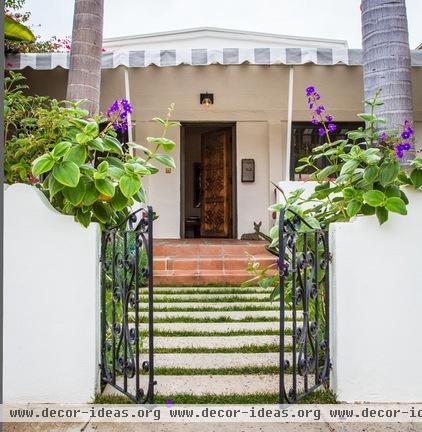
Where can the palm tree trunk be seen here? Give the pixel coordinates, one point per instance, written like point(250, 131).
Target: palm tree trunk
point(386, 59)
point(85, 56)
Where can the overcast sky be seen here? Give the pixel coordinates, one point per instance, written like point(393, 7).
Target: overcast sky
point(337, 19)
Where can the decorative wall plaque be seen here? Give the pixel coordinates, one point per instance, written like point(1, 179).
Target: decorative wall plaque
point(248, 170)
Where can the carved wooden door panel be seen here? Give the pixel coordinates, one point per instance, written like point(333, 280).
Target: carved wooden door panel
point(216, 184)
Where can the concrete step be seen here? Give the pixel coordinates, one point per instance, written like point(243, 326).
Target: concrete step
point(234, 315)
point(196, 296)
point(216, 327)
point(200, 278)
point(213, 341)
point(216, 314)
point(212, 384)
point(216, 360)
point(204, 290)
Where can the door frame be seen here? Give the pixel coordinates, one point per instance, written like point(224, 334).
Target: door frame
point(216, 125)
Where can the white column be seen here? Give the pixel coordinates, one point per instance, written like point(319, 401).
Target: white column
point(127, 96)
point(289, 123)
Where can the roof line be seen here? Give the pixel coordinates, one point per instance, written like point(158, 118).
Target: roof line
point(221, 30)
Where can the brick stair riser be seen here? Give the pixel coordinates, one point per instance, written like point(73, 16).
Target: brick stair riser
point(191, 279)
point(209, 263)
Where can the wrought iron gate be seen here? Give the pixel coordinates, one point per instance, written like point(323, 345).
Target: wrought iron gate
point(304, 263)
point(126, 274)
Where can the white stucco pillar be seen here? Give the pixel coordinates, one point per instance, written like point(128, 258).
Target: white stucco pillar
point(51, 302)
point(275, 160)
point(375, 307)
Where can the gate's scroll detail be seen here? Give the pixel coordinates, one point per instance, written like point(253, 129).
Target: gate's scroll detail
point(303, 263)
point(127, 338)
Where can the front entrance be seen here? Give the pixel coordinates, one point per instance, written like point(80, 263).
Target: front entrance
point(208, 184)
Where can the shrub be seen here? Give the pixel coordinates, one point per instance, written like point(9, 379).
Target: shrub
point(363, 175)
point(75, 160)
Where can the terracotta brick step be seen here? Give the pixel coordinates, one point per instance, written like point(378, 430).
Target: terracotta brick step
point(199, 249)
point(209, 262)
point(199, 262)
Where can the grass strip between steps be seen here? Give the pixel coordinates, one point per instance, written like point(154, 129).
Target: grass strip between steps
point(252, 348)
point(230, 291)
point(251, 308)
point(316, 397)
point(234, 299)
point(181, 333)
point(246, 370)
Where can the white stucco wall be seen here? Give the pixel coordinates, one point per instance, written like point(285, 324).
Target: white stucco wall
point(163, 188)
point(418, 136)
point(51, 302)
point(376, 303)
point(252, 198)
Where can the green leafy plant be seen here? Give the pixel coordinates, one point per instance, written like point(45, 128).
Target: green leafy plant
point(15, 31)
point(90, 175)
point(77, 161)
point(362, 173)
point(32, 126)
point(362, 176)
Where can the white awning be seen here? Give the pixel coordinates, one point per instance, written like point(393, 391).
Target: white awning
point(203, 57)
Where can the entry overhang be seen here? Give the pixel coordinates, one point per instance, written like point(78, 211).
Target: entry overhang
point(202, 57)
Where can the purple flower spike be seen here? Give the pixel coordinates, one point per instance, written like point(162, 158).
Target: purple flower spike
point(405, 134)
point(383, 137)
point(113, 108)
point(118, 113)
point(321, 132)
point(329, 117)
point(314, 121)
point(320, 109)
point(332, 127)
point(310, 90)
point(400, 150)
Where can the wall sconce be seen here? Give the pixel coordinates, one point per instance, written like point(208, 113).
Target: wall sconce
point(207, 99)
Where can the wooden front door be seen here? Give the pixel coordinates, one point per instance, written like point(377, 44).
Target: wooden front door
point(216, 204)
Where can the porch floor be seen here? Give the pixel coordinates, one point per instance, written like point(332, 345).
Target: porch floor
point(199, 262)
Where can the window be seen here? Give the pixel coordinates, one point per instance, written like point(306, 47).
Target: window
point(305, 137)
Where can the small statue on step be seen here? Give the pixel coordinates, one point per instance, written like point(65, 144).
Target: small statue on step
point(255, 235)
